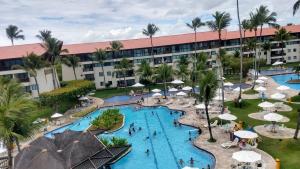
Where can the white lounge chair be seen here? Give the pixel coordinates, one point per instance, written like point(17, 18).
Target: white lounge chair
point(214, 124)
point(230, 144)
point(187, 105)
point(169, 102)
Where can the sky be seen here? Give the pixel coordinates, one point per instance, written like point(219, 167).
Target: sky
point(77, 21)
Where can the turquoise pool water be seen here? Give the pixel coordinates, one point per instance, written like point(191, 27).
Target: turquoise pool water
point(282, 80)
point(167, 147)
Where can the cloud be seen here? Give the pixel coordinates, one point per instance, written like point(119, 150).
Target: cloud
point(75, 21)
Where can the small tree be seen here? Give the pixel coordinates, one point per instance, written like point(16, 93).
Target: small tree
point(14, 33)
point(124, 66)
point(164, 72)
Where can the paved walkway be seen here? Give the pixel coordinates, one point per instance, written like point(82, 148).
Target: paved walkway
point(281, 133)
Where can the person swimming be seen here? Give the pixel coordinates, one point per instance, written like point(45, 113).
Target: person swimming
point(129, 132)
point(192, 162)
point(181, 162)
point(140, 128)
point(147, 152)
point(146, 138)
point(154, 133)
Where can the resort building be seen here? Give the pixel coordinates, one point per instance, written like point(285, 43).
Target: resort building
point(167, 49)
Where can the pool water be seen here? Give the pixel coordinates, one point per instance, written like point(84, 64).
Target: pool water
point(282, 80)
point(167, 147)
point(118, 99)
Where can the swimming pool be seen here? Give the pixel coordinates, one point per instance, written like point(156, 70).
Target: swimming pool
point(166, 148)
point(282, 80)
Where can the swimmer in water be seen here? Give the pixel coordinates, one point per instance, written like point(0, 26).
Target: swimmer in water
point(154, 133)
point(147, 152)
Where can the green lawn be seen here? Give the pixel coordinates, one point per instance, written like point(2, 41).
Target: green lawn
point(288, 150)
point(233, 78)
point(250, 91)
point(107, 93)
point(285, 65)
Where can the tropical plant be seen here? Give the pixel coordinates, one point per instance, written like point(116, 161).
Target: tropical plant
point(119, 142)
point(16, 109)
point(31, 63)
point(71, 61)
point(195, 24)
point(108, 120)
point(183, 67)
point(115, 47)
point(208, 86)
point(150, 31)
point(145, 72)
point(123, 67)
point(282, 35)
point(220, 22)
point(246, 25)
point(54, 49)
point(296, 6)
point(44, 35)
point(266, 46)
point(105, 141)
point(296, 69)
point(163, 73)
point(14, 33)
point(100, 56)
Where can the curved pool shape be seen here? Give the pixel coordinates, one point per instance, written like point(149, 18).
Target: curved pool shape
point(166, 148)
point(282, 80)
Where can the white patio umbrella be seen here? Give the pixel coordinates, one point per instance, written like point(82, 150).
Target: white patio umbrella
point(266, 105)
point(228, 84)
point(156, 95)
point(245, 134)
point(246, 156)
point(237, 89)
point(56, 115)
point(177, 82)
point(227, 116)
point(263, 78)
point(274, 117)
point(138, 85)
point(201, 106)
point(187, 88)
point(218, 98)
point(283, 87)
point(260, 89)
point(173, 90)
point(278, 96)
point(187, 167)
point(259, 81)
point(277, 63)
point(181, 94)
point(83, 98)
point(156, 90)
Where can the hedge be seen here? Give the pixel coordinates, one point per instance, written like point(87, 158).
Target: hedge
point(85, 112)
point(69, 92)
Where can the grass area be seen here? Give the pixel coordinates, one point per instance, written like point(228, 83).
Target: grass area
point(287, 150)
point(234, 78)
point(107, 93)
point(295, 98)
point(285, 65)
point(250, 91)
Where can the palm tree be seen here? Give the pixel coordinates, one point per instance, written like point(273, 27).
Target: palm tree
point(296, 7)
point(208, 85)
point(298, 126)
point(146, 73)
point(71, 61)
point(282, 35)
point(14, 33)
point(266, 46)
point(44, 35)
point(124, 66)
point(151, 31)
point(264, 17)
point(220, 22)
point(31, 63)
point(196, 23)
point(54, 49)
point(15, 113)
point(182, 67)
point(100, 56)
point(164, 72)
point(241, 44)
point(115, 46)
point(246, 25)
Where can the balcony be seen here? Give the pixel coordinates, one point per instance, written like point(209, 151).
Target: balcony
point(275, 54)
point(278, 46)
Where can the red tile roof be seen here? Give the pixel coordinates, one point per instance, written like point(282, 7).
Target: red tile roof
point(9, 52)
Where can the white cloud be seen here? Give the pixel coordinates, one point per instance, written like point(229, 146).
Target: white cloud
point(75, 21)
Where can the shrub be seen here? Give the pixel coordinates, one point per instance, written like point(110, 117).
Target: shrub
point(295, 98)
point(114, 142)
point(110, 119)
point(69, 92)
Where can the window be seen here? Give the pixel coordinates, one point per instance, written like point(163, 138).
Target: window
point(88, 67)
point(289, 58)
point(289, 50)
point(265, 53)
point(27, 89)
point(295, 57)
point(295, 50)
point(34, 87)
point(89, 77)
point(22, 77)
point(101, 83)
point(108, 73)
point(101, 74)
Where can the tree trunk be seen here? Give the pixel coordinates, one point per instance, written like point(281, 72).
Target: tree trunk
point(104, 78)
point(53, 77)
point(194, 62)
point(56, 78)
point(12, 41)
point(74, 72)
point(259, 50)
point(37, 85)
point(165, 86)
point(208, 122)
point(282, 51)
point(255, 63)
point(9, 148)
point(241, 48)
point(221, 73)
point(152, 50)
point(298, 126)
point(18, 144)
